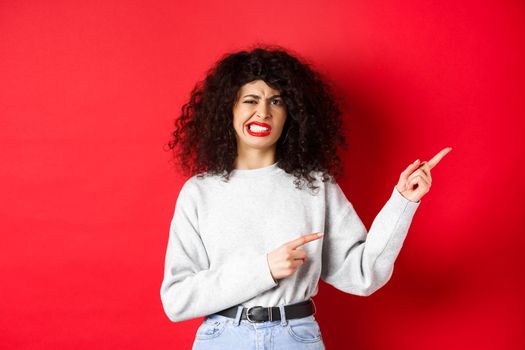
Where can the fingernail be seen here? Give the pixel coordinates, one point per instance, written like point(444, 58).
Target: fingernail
point(417, 160)
point(320, 234)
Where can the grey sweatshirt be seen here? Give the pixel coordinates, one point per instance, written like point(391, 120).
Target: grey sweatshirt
point(221, 233)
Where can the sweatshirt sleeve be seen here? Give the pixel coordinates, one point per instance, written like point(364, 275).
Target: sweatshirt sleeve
point(356, 261)
point(190, 288)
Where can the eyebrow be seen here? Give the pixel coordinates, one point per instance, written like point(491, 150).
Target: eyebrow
point(255, 96)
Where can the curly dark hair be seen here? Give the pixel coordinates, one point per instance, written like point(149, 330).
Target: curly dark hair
point(313, 129)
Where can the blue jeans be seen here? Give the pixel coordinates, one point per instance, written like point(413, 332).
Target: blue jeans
point(218, 332)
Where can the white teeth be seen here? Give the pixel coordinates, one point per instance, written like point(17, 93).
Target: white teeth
point(258, 128)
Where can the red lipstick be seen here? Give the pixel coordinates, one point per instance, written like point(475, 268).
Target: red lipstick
point(261, 133)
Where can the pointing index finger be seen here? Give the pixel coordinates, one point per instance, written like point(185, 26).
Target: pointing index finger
point(304, 239)
point(435, 160)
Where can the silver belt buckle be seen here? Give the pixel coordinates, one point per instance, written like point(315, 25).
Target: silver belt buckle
point(248, 313)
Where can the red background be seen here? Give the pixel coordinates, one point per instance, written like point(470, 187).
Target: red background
point(88, 94)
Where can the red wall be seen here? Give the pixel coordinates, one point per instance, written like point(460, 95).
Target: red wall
point(88, 94)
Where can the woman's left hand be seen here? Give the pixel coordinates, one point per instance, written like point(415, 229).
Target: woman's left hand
point(415, 181)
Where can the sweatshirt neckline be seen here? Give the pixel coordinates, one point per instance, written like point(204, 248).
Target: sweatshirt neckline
point(263, 171)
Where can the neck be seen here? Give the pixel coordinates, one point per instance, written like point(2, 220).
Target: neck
point(254, 159)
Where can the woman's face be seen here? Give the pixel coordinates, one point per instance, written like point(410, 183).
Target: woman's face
point(260, 104)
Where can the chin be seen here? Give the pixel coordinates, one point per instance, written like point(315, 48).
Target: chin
point(260, 145)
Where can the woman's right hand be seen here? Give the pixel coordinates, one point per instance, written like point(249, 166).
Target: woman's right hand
point(285, 260)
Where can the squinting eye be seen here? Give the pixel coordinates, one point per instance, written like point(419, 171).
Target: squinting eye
point(279, 102)
point(249, 101)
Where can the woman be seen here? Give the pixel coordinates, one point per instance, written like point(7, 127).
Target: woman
point(248, 243)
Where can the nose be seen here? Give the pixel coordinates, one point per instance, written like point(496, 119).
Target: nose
point(262, 110)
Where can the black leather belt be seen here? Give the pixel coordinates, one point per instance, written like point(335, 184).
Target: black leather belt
point(272, 313)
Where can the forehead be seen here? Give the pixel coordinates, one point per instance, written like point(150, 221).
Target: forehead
point(257, 86)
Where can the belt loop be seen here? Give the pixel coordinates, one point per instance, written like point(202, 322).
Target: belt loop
point(237, 320)
point(284, 321)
